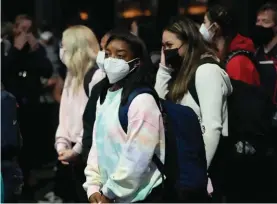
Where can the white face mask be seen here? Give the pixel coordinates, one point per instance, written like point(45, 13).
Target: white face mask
point(207, 35)
point(117, 69)
point(61, 54)
point(100, 59)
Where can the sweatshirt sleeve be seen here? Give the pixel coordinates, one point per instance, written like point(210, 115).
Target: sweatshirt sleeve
point(62, 136)
point(93, 181)
point(82, 101)
point(143, 138)
point(162, 79)
point(208, 82)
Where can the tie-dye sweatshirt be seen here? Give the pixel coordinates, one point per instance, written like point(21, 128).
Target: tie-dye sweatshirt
point(119, 164)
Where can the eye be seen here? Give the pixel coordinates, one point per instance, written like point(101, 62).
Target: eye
point(168, 45)
point(107, 54)
point(120, 56)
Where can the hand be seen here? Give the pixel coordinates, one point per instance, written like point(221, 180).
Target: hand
point(104, 199)
point(65, 156)
point(52, 81)
point(33, 42)
point(162, 57)
point(95, 198)
point(20, 41)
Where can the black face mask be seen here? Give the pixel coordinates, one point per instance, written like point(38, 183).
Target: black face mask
point(173, 58)
point(262, 35)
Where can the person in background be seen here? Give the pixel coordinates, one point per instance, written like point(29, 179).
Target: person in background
point(104, 39)
point(11, 143)
point(179, 71)
point(244, 180)
point(119, 167)
point(2, 189)
point(48, 102)
point(48, 41)
point(219, 28)
point(22, 69)
point(6, 33)
point(265, 38)
point(78, 52)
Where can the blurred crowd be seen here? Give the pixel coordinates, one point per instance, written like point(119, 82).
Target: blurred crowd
point(72, 93)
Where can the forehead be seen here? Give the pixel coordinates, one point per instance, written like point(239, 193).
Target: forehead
point(169, 36)
point(25, 23)
point(118, 45)
point(266, 15)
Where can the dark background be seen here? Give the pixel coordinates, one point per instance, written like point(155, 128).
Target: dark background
point(102, 13)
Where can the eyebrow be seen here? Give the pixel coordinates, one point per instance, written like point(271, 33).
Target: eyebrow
point(167, 42)
point(122, 50)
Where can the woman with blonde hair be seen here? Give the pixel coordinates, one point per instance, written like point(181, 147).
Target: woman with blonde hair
point(78, 52)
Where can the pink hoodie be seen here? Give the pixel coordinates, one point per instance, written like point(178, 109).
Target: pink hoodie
point(70, 129)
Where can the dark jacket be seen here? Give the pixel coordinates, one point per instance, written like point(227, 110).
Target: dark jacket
point(22, 72)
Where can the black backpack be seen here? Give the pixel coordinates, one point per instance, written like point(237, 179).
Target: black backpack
point(249, 120)
point(88, 78)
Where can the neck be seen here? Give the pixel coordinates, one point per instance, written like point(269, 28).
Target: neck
point(117, 85)
point(270, 45)
point(220, 44)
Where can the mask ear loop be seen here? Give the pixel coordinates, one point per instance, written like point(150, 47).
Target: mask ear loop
point(136, 65)
point(210, 31)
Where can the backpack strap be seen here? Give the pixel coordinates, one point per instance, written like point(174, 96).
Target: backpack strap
point(123, 109)
point(88, 78)
point(123, 119)
point(192, 87)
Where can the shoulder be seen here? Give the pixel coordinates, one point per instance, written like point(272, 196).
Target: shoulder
point(144, 107)
point(144, 101)
point(208, 71)
point(240, 61)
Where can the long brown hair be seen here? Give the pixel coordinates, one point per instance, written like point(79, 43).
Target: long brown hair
point(195, 47)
